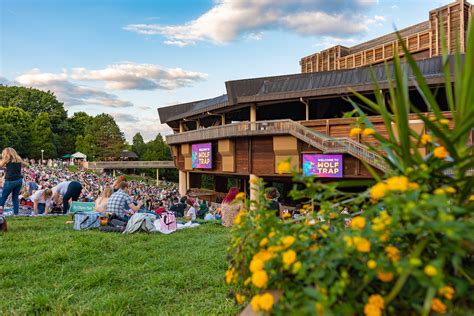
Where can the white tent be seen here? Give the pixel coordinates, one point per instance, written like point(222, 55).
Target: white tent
point(78, 155)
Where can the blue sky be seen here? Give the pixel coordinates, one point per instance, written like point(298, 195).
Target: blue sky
point(127, 58)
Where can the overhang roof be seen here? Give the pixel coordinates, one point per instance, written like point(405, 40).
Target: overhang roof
point(303, 85)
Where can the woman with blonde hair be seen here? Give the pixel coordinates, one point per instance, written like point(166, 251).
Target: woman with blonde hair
point(103, 199)
point(12, 163)
point(42, 199)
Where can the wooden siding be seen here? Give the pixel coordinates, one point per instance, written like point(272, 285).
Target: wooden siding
point(263, 157)
point(242, 155)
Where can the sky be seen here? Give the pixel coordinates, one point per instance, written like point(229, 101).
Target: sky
point(129, 57)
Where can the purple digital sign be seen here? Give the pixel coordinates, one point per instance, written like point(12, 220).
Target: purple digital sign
point(202, 156)
point(324, 166)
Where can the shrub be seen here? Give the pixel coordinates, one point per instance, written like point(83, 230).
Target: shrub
point(411, 249)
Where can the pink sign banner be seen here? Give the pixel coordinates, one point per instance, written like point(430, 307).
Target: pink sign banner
point(324, 166)
point(202, 156)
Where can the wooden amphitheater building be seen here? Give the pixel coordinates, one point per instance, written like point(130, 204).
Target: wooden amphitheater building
point(262, 121)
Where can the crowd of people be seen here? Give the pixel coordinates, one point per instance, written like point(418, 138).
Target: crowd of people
point(51, 187)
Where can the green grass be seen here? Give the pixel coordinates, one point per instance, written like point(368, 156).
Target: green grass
point(48, 268)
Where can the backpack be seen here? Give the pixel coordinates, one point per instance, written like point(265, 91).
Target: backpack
point(83, 221)
point(168, 222)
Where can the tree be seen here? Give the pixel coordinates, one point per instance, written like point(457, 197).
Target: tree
point(15, 130)
point(106, 136)
point(87, 146)
point(138, 145)
point(42, 138)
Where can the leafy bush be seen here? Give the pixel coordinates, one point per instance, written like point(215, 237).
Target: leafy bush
point(411, 249)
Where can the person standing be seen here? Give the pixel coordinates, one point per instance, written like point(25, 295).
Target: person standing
point(13, 163)
point(69, 190)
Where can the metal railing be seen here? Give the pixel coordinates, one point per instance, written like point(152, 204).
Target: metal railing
point(318, 140)
point(129, 165)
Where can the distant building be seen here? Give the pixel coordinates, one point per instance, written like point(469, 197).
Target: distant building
point(128, 155)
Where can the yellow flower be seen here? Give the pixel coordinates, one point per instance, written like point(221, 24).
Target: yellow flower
point(440, 152)
point(284, 167)
point(240, 298)
point(372, 310)
point(256, 265)
point(349, 241)
point(471, 198)
point(288, 241)
point(430, 270)
point(358, 222)
point(444, 121)
point(355, 131)
point(385, 236)
point(378, 191)
point(263, 242)
point(361, 244)
point(253, 180)
point(425, 139)
point(230, 275)
point(385, 276)
point(296, 267)
point(263, 255)
point(368, 131)
point(413, 186)
point(238, 218)
point(240, 196)
point(450, 190)
point(439, 191)
point(271, 235)
point(397, 183)
point(262, 302)
point(371, 264)
point(438, 306)
point(376, 300)
point(260, 278)
point(247, 281)
point(447, 292)
point(289, 257)
point(393, 253)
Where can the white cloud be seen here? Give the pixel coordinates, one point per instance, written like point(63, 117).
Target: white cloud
point(125, 117)
point(127, 76)
point(70, 93)
point(229, 19)
point(148, 128)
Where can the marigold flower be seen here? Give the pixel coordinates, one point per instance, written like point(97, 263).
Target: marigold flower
point(450, 190)
point(438, 306)
point(288, 241)
point(263, 242)
point(440, 152)
point(238, 218)
point(355, 131)
point(447, 292)
point(230, 275)
point(253, 180)
point(385, 236)
point(240, 298)
point(385, 276)
point(368, 131)
point(378, 191)
point(289, 257)
point(471, 198)
point(263, 255)
point(444, 121)
point(260, 278)
point(271, 235)
point(361, 244)
point(413, 186)
point(393, 253)
point(430, 270)
point(256, 265)
point(371, 264)
point(372, 310)
point(425, 139)
point(358, 223)
point(262, 302)
point(349, 241)
point(439, 191)
point(296, 267)
point(284, 167)
point(376, 300)
point(399, 183)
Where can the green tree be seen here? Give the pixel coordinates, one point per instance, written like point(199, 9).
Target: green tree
point(42, 138)
point(15, 130)
point(105, 134)
point(86, 145)
point(138, 145)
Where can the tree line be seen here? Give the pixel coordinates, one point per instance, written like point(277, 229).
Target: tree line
point(32, 120)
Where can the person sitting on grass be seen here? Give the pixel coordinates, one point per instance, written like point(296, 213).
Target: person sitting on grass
point(42, 199)
point(191, 214)
point(121, 206)
point(272, 195)
point(178, 208)
point(102, 201)
point(203, 209)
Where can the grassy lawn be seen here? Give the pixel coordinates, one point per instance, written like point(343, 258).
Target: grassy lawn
point(47, 267)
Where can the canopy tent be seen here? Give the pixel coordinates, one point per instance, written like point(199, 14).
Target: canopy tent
point(79, 155)
point(68, 156)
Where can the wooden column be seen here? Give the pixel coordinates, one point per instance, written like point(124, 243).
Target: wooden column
point(157, 177)
point(253, 116)
point(182, 182)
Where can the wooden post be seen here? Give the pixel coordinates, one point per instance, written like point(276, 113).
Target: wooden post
point(181, 127)
point(157, 177)
point(113, 172)
point(182, 183)
point(253, 190)
point(253, 116)
point(223, 119)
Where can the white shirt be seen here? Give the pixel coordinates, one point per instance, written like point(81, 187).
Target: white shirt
point(38, 196)
point(191, 213)
point(61, 188)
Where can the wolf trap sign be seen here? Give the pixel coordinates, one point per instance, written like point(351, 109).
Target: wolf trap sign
point(324, 166)
point(202, 156)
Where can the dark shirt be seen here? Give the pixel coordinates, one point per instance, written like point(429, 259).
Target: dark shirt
point(13, 171)
point(275, 206)
point(178, 209)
